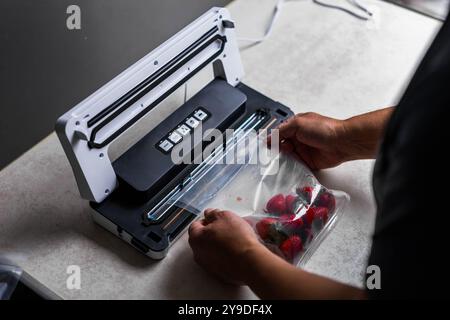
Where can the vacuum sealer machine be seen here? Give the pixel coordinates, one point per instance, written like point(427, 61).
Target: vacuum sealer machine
point(133, 195)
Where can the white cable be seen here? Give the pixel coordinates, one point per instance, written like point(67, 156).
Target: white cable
point(363, 8)
point(350, 12)
point(277, 10)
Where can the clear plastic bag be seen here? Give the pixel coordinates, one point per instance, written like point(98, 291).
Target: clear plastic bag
point(290, 211)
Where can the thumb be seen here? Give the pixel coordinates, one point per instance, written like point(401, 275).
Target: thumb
point(306, 128)
point(288, 128)
point(195, 229)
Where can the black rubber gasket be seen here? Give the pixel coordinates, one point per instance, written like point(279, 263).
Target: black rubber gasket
point(149, 79)
point(93, 144)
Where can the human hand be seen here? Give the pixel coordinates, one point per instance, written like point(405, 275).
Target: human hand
point(222, 243)
point(323, 142)
point(315, 139)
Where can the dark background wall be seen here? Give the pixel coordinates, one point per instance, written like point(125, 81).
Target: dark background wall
point(45, 69)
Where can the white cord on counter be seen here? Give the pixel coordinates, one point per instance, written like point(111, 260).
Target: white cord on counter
point(277, 10)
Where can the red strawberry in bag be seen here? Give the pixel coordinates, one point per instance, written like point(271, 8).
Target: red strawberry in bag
point(287, 217)
point(308, 217)
point(291, 201)
point(327, 200)
point(320, 217)
point(291, 247)
point(269, 230)
point(322, 214)
point(316, 213)
point(292, 226)
point(263, 227)
point(276, 205)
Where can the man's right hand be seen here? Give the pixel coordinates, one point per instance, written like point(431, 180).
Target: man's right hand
point(322, 142)
point(313, 138)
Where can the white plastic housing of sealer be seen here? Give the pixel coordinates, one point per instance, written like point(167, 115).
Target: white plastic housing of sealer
point(85, 140)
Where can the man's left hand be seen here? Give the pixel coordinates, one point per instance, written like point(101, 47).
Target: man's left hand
point(222, 243)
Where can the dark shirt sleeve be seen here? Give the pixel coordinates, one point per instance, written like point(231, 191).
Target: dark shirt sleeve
point(411, 240)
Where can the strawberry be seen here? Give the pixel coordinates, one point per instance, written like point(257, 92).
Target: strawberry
point(291, 247)
point(305, 194)
point(316, 213)
point(297, 223)
point(290, 203)
point(292, 226)
point(287, 217)
point(321, 214)
point(269, 231)
point(263, 227)
point(326, 199)
point(276, 205)
point(309, 216)
point(294, 223)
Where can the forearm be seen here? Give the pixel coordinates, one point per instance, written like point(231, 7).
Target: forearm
point(270, 277)
point(362, 134)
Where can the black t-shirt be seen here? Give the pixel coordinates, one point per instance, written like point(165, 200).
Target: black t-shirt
point(411, 243)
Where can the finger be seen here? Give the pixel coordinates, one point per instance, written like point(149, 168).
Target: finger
point(286, 146)
point(195, 229)
point(292, 121)
point(297, 150)
point(288, 128)
point(313, 130)
point(210, 215)
point(207, 211)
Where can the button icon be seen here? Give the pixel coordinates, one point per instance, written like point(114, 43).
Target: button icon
point(192, 122)
point(165, 145)
point(200, 115)
point(184, 130)
point(175, 137)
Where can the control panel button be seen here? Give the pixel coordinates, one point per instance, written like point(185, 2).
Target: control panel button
point(183, 130)
point(175, 137)
point(192, 122)
point(200, 115)
point(165, 145)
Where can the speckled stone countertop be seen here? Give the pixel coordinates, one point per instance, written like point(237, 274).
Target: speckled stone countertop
point(316, 60)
